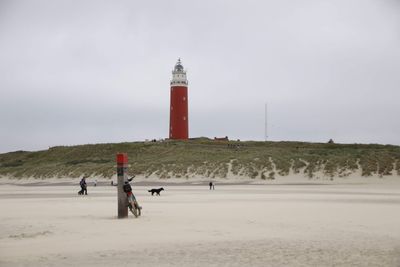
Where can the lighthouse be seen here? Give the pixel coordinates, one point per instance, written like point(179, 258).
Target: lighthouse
point(178, 120)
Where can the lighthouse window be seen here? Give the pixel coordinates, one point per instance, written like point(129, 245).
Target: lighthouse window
point(184, 118)
point(184, 98)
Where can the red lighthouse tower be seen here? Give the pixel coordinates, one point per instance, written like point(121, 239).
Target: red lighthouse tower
point(178, 120)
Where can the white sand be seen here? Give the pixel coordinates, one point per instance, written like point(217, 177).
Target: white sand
point(236, 225)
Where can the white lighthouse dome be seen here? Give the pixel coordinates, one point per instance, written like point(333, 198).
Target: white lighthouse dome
point(178, 66)
point(179, 75)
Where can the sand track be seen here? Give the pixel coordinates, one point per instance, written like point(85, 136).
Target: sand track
point(235, 225)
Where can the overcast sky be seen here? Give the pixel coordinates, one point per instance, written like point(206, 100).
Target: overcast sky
point(77, 72)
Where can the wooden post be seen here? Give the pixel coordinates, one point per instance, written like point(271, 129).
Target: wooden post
point(122, 165)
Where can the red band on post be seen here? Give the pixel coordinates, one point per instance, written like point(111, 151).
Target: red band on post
point(122, 158)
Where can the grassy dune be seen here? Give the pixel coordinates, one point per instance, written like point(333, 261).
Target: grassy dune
point(206, 158)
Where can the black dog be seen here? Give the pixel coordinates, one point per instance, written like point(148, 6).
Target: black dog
point(152, 191)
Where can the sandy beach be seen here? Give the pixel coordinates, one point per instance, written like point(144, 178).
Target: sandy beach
point(277, 224)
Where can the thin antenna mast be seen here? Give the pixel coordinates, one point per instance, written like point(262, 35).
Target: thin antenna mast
point(266, 124)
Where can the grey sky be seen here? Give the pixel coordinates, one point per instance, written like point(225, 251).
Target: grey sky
point(76, 72)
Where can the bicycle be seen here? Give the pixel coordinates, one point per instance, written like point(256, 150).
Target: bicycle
point(133, 205)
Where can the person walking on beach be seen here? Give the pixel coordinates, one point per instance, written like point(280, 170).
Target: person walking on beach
point(83, 185)
point(211, 185)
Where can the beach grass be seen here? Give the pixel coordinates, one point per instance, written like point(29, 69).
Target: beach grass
point(207, 158)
